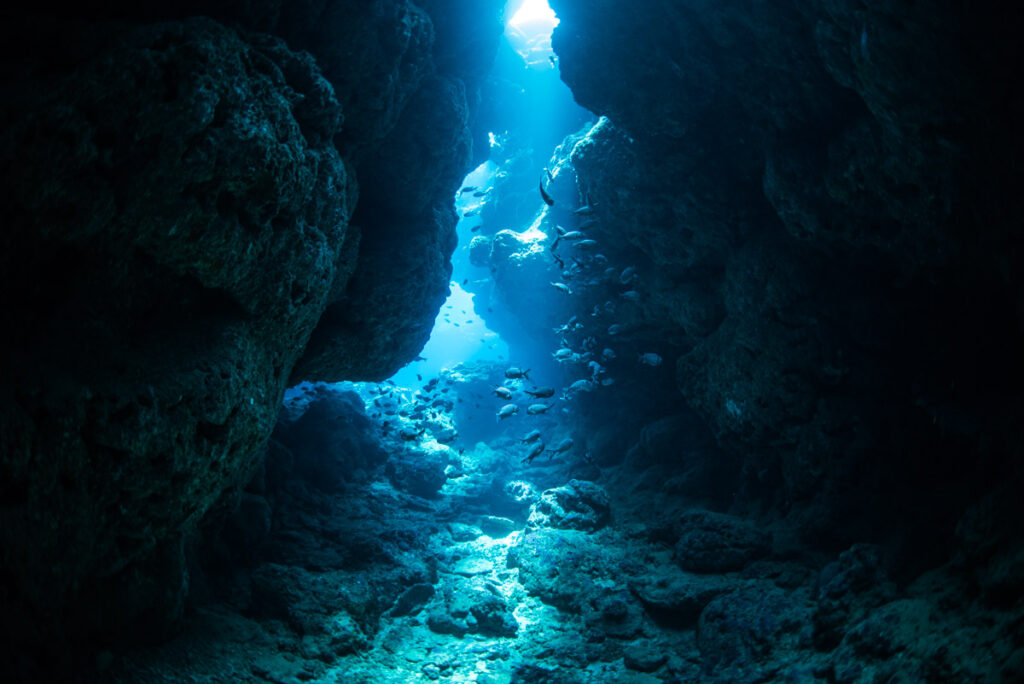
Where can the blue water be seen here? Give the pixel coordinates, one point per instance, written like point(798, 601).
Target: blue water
point(543, 114)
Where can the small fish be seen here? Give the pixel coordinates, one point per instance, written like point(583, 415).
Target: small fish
point(502, 393)
point(545, 196)
point(536, 451)
point(559, 229)
point(649, 359)
point(627, 275)
point(408, 434)
point(470, 212)
point(507, 411)
point(585, 209)
point(532, 436)
point(563, 287)
point(614, 329)
point(630, 296)
point(541, 392)
point(537, 409)
point(581, 386)
point(574, 235)
point(586, 244)
point(563, 446)
point(474, 228)
point(608, 354)
point(468, 188)
point(514, 373)
point(479, 193)
point(419, 377)
point(464, 282)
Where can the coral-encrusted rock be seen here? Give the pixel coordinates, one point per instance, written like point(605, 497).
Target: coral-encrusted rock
point(419, 472)
point(713, 542)
point(408, 234)
point(561, 566)
point(579, 505)
point(766, 159)
point(480, 251)
point(469, 605)
point(848, 589)
point(746, 635)
point(332, 442)
point(177, 224)
point(522, 271)
point(175, 218)
point(676, 599)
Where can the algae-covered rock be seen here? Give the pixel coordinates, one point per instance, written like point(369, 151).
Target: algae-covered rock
point(712, 542)
point(579, 505)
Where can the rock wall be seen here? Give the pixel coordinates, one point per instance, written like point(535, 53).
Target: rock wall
point(201, 210)
point(818, 198)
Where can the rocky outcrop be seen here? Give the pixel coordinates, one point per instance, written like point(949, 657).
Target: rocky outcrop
point(176, 225)
point(332, 442)
point(183, 241)
point(811, 193)
point(579, 505)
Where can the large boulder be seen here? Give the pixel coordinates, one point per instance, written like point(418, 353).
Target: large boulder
point(714, 543)
point(332, 442)
point(578, 505)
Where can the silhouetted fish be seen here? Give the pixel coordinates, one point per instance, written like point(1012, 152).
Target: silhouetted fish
point(547, 198)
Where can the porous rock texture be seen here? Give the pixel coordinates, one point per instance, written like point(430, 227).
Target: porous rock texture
point(181, 188)
point(817, 196)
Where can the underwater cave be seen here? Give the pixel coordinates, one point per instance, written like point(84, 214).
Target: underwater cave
point(511, 341)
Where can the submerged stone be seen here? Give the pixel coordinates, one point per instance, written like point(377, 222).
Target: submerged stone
point(469, 567)
point(412, 600)
point(713, 542)
point(579, 505)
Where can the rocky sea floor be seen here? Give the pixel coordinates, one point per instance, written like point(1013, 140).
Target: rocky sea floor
point(367, 552)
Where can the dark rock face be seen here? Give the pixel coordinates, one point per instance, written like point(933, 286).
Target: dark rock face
point(811, 192)
point(181, 245)
point(178, 224)
point(332, 443)
point(741, 633)
point(373, 329)
point(715, 543)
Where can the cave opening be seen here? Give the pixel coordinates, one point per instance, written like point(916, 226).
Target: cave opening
point(542, 341)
